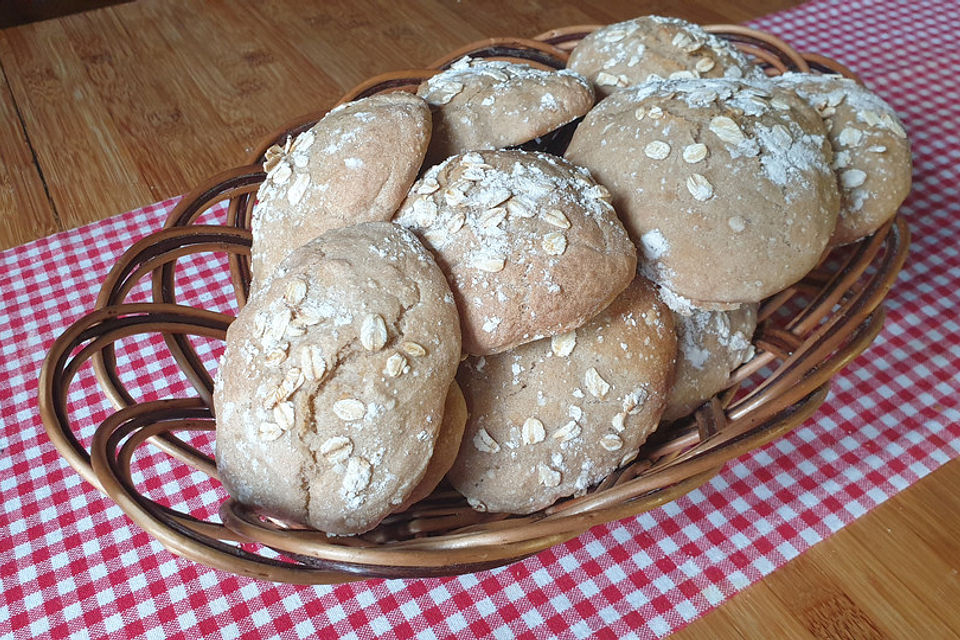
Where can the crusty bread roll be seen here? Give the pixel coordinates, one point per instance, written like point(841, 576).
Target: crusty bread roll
point(515, 233)
point(726, 186)
point(628, 53)
point(871, 153)
point(355, 165)
point(446, 448)
point(551, 418)
point(710, 345)
point(330, 394)
point(491, 104)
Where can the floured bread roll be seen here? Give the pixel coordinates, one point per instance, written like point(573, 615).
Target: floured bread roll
point(710, 344)
point(355, 165)
point(724, 185)
point(491, 104)
point(331, 391)
point(871, 153)
point(552, 418)
point(529, 243)
point(628, 53)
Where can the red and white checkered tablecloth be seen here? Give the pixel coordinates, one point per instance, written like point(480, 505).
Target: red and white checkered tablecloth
point(72, 564)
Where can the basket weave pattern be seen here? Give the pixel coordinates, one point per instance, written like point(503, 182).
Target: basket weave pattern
point(806, 334)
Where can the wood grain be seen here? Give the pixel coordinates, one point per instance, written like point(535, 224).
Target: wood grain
point(120, 107)
point(888, 575)
point(25, 210)
point(138, 102)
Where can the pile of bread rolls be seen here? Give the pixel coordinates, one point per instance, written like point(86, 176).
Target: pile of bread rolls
point(430, 302)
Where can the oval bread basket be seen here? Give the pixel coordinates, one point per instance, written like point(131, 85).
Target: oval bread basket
point(806, 334)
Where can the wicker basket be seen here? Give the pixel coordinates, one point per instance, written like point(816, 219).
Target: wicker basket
point(806, 334)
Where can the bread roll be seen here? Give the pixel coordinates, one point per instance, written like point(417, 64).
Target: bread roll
point(725, 186)
point(355, 165)
point(330, 394)
point(515, 233)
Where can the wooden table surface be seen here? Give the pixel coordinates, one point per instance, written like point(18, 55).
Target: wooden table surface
point(117, 108)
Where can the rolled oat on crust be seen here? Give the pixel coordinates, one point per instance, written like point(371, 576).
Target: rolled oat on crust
point(529, 243)
point(552, 418)
point(331, 391)
point(355, 165)
point(725, 186)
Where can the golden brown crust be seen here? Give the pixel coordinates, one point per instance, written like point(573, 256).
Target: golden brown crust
point(551, 418)
point(515, 233)
point(331, 390)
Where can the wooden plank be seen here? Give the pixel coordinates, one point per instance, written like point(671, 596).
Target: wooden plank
point(931, 510)
point(135, 103)
point(886, 575)
point(754, 613)
point(25, 210)
point(915, 542)
point(81, 150)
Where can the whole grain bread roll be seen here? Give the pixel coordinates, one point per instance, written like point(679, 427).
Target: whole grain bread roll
point(628, 53)
point(492, 104)
point(355, 165)
point(725, 186)
point(330, 394)
point(871, 152)
point(551, 418)
point(516, 233)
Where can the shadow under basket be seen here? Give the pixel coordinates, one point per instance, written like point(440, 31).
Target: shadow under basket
point(806, 334)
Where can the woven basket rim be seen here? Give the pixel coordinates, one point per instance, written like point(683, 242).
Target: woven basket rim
point(842, 318)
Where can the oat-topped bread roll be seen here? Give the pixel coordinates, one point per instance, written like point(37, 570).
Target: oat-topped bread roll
point(529, 243)
point(491, 104)
point(871, 151)
point(710, 344)
point(331, 390)
point(355, 165)
point(725, 186)
point(627, 53)
point(554, 417)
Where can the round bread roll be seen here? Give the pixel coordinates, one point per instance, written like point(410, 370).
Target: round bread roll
point(725, 186)
point(515, 233)
point(710, 344)
point(446, 448)
point(355, 165)
point(553, 417)
point(330, 393)
point(871, 151)
point(491, 104)
point(628, 53)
